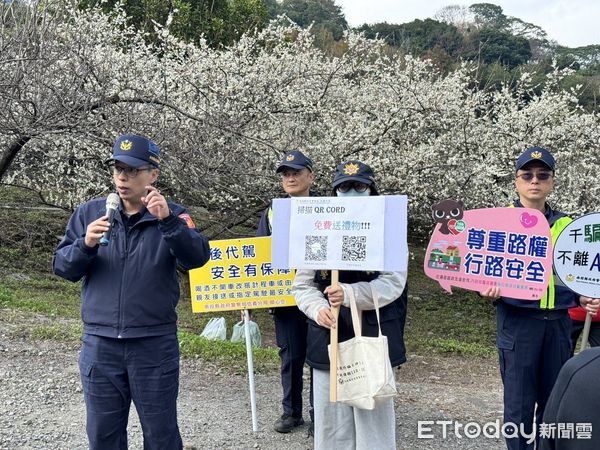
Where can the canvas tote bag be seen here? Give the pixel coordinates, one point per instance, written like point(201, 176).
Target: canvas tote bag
point(364, 373)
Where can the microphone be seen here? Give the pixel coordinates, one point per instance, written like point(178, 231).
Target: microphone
point(112, 205)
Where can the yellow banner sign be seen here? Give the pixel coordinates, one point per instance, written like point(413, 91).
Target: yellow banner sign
point(239, 275)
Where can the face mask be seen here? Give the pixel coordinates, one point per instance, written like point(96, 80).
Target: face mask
point(353, 193)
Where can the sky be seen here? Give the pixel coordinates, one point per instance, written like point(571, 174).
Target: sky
point(571, 23)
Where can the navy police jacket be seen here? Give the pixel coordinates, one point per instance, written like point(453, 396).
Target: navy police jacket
point(392, 316)
point(264, 226)
point(130, 287)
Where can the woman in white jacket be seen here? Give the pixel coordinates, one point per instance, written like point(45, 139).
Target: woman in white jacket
point(339, 426)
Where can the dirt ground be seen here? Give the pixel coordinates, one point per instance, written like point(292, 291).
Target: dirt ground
point(41, 402)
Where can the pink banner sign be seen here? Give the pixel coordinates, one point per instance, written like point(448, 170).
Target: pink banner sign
point(481, 248)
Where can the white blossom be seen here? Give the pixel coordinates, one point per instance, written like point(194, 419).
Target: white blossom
point(223, 118)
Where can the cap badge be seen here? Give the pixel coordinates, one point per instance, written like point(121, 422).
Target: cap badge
point(536, 155)
point(126, 145)
point(289, 158)
point(351, 169)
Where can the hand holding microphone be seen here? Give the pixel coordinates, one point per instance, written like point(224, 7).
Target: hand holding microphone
point(98, 232)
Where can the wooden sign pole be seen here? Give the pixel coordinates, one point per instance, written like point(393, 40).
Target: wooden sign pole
point(335, 275)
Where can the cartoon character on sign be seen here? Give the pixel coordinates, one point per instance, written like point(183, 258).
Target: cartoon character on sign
point(510, 248)
point(449, 213)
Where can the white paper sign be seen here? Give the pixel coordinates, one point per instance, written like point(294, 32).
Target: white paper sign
point(337, 232)
point(380, 220)
point(577, 256)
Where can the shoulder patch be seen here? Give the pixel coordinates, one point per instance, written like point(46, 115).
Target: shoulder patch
point(188, 220)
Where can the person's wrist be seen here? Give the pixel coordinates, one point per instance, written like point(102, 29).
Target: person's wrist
point(87, 249)
point(318, 316)
point(167, 216)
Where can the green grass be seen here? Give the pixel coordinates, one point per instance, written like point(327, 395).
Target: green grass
point(437, 323)
point(14, 196)
point(56, 298)
point(40, 294)
point(461, 323)
point(29, 235)
point(225, 353)
point(455, 324)
point(7, 298)
point(65, 332)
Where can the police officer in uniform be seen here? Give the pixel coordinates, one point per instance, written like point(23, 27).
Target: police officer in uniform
point(129, 292)
point(297, 177)
point(533, 337)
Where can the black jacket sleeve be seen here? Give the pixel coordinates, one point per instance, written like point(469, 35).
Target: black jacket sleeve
point(72, 257)
point(574, 400)
point(187, 244)
point(264, 227)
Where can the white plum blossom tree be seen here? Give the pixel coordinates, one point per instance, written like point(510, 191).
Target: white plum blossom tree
point(223, 118)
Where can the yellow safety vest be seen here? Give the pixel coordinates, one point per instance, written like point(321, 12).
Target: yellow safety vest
point(547, 301)
point(270, 218)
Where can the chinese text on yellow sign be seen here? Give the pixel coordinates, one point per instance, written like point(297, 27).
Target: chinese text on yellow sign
point(239, 275)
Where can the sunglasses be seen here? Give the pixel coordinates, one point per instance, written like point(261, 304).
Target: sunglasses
point(356, 185)
point(541, 176)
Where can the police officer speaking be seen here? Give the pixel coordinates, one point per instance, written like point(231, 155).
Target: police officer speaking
point(129, 293)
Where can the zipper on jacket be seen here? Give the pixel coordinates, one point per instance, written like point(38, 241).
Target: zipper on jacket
point(124, 257)
point(128, 231)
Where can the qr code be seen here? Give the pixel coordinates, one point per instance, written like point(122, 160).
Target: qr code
point(315, 248)
point(354, 248)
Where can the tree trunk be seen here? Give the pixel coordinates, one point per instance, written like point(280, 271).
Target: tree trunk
point(11, 154)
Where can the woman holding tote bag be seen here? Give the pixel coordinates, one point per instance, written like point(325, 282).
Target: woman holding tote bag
point(339, 425)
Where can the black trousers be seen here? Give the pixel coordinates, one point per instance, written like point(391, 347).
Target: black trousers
point(290, 332)
point(532, 350)
point(115, 372)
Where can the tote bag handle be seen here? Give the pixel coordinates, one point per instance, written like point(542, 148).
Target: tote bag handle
point(356, 324)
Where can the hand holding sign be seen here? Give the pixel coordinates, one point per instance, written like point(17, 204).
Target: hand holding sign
point(577, 264)
point(335, 294)
point(495, 251)
point(493, 293)
point(591, 305)
point(577, 255)
point(339, 233)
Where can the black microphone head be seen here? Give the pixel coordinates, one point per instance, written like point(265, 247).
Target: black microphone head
point(112, 202)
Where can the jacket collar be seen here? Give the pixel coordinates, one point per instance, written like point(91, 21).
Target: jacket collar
point(551, 214)
point(145, 215)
